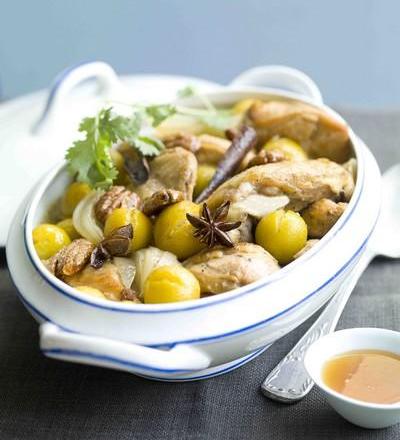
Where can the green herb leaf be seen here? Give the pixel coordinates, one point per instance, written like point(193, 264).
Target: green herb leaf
point(159, 113)
point(189, 91)
point(125, 128)
point(186, 92)
point(221, 120)
point(148, 145)
point(89, 159)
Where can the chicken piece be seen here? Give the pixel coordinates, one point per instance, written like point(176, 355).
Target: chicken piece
point(160, 200)
point(321, 215)
point(107, 279)
point(318, 133)
point(221, 269)
point(248, 158)
point(212, 149)
point(351, 167)
point(309, 244)
point(304, 182)
point(185, 140)
point(174, 168)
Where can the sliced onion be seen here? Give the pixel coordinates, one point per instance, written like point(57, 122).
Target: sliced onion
point(147, 260)
point(84, 218)
point(257, 205)
point(127, 270)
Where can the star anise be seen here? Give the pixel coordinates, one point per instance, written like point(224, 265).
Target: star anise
point(212, 228)
point(117, 244)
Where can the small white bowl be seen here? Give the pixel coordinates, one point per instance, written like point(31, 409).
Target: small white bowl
point(364, 414)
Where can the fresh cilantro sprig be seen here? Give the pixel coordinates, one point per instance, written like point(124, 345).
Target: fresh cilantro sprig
point(216, 119)
point(187, 91)
point(158, 113)
point(89, 159)
point(190, 90)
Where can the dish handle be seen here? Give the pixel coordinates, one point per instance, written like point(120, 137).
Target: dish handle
point(109, 353)
point(70, 78)
point(280, 77)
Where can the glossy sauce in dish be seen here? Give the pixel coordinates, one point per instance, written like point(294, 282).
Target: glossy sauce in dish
point(367, 375)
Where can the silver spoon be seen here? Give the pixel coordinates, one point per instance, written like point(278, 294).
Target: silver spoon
point(289, 382)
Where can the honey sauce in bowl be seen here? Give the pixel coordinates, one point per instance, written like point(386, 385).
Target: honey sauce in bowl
point(367, 375)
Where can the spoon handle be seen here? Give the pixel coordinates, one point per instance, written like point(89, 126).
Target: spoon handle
point(289, 381)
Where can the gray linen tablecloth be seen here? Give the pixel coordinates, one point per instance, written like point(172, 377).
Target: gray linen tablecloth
point(48, 399)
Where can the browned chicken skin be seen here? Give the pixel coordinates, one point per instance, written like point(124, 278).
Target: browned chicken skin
point(106, 279)
point(222, 269)
point(212, 149)
point(321, 215)
point(187, 141)
point(175, 168)
point(303, 182)
point(318, 133)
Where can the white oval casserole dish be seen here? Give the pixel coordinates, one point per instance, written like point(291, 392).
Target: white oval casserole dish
point(194, 339)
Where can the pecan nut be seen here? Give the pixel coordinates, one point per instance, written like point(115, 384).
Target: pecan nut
point(161, 199)
point(185, 140)
point(115, 197)
point(71, 259)
point(264, 157)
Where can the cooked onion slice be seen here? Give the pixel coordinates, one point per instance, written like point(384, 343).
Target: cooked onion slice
point(257, 205)
point(127, 270)
point(84, 218)
point(147, 260)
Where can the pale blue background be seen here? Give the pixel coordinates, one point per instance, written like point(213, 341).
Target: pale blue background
point(350, 47)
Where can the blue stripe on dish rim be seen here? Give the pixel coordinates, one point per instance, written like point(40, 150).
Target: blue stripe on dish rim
point(57, 353)
point(47, 277)
point(241, 361)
